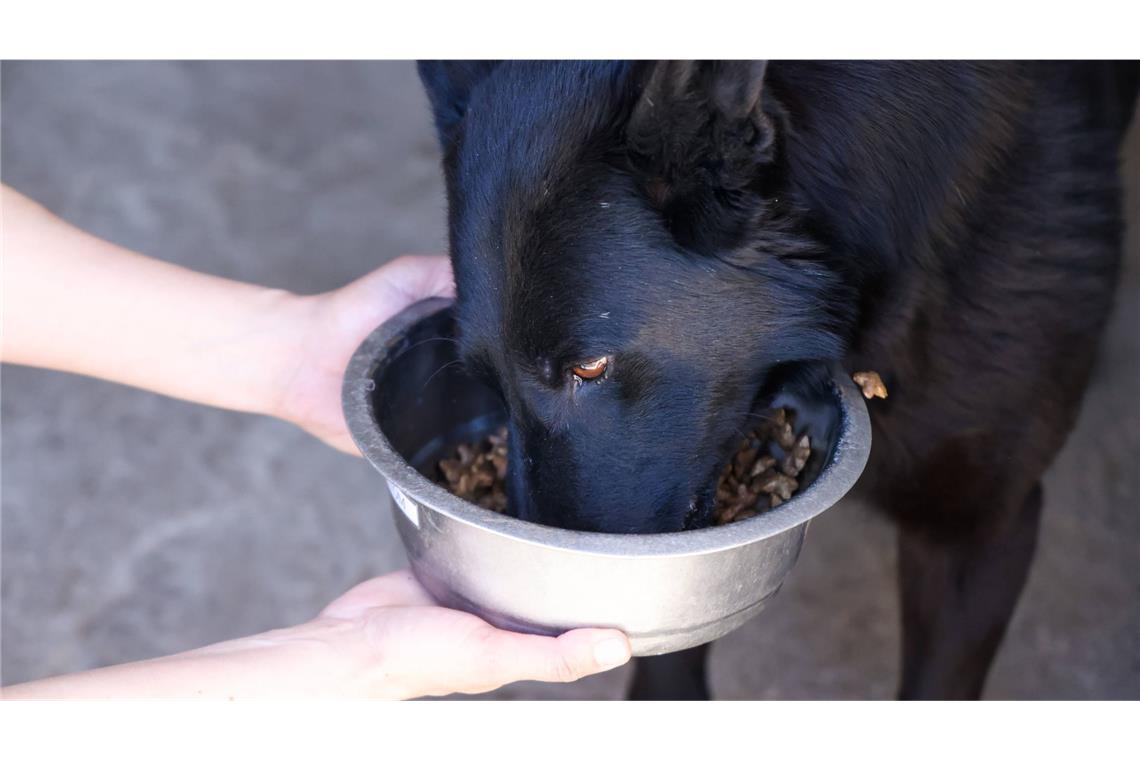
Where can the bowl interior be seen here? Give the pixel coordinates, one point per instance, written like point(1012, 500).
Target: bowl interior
point(425, 404)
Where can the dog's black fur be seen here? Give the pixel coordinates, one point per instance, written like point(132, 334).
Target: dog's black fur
point(954, 226)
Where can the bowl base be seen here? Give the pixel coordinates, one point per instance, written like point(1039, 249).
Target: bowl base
point(641, 645)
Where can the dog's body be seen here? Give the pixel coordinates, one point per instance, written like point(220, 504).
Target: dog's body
point(954, 227)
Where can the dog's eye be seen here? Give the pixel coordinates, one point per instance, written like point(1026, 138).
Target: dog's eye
point(591, 370)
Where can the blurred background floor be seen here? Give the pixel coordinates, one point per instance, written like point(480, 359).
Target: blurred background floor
point(135, 526)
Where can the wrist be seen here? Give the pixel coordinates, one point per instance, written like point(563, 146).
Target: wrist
point(321, 658)
point(285, 353)
point(330, 657)
point(309, 368)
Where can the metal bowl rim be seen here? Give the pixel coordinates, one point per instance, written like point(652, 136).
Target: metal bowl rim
point(852, 449)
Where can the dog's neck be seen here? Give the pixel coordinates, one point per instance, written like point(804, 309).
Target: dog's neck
point(892, 176)
point(913, 152)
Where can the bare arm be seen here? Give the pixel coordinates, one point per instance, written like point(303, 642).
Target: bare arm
point(383, 639)
point(76, 303)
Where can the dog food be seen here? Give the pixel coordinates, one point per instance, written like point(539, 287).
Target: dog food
point(754, 480)
point(763, 473)
point(871, 384)
point(477, 471)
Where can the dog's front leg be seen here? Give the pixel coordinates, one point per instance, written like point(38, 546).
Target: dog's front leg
point(680, 675)
point(957, 598)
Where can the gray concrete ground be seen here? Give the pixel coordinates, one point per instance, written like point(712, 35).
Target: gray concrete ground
point(135, 525)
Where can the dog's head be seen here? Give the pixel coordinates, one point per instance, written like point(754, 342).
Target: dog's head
point(628, 275)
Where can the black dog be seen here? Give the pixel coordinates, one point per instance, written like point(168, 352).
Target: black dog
point(640, 247)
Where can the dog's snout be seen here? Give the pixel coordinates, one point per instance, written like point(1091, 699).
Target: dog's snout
point(520, 501)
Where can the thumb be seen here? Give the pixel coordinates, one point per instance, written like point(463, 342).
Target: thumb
point(509, 657)
point(407, 279)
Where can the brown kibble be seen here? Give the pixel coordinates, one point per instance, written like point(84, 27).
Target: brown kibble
point(796, 459)
point(751, 482)
point(786, 438)
point(466, 453)
point(762, 465)
point(743, 460)
point(781, 484)
point(871, 384)
point(483, 478)
point(451, 469)
point(745, 498)
point(496, 501)
point(728, 513)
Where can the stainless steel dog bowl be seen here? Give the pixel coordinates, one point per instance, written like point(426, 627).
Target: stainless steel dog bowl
point(406, 400)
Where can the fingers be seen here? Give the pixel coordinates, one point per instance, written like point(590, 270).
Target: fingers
point(412, 647)
point(335, 323)
point(376, 296)
point(506, 657)
point(419, 277)
point(439, 280)
point(432, 650)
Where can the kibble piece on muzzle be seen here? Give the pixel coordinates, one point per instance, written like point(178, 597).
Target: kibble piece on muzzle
point(763, 473)
point(871, 384)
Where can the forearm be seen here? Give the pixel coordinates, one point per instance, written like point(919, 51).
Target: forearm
point(385, 638)
point(75, 303)
point(304, 661)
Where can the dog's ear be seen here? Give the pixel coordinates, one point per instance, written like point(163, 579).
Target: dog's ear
point(700, 121)
point(449, 85)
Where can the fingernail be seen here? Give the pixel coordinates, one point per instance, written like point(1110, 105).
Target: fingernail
point(609, 653)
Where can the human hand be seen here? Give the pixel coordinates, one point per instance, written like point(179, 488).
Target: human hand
point(405, 645)
point(333, 324)
point(385, 639)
